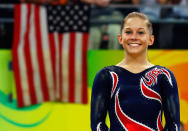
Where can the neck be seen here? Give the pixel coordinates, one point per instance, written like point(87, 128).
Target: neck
point(136, 59)
point(135, 63)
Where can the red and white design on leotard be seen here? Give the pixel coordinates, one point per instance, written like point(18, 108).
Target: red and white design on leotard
point(128, 123)
point(159, 122)
point(98, 126)
point(115, 80)
point(149, 80)
point(149, 93)
point(151, 76)
point(176, 127)
point(167, 75)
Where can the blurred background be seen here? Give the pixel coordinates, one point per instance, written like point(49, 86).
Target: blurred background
point(170, 49)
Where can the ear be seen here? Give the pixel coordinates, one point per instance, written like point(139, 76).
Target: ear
point(151, 40)
point(120, 39)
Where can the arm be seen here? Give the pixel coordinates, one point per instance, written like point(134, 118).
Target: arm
point(135, 2)
point(170, 102)
point(100, 101)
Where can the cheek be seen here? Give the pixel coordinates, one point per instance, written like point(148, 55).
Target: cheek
point(145, 40)
point(125, 39)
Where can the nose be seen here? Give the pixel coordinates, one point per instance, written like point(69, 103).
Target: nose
point(134, 35)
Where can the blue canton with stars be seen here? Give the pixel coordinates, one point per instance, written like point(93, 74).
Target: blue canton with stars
point(68, 18)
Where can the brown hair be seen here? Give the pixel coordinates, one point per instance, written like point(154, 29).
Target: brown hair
point(140, 15)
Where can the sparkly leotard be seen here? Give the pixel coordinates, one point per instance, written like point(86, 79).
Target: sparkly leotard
point(135, 101)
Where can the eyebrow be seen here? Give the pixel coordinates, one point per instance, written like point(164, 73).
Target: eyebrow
point(130, 28)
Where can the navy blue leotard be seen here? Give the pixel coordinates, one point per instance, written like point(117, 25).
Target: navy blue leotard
point(135, 101)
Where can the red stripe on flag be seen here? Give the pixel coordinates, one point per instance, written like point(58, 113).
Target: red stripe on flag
point(72, 67)
point(40, 56)
point(60, 36)
point(27, 55)
point(52, 55)
point(84, 68)
point(16, 69)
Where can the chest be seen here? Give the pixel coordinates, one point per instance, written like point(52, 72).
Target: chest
point(133, 86)
point(136, 91)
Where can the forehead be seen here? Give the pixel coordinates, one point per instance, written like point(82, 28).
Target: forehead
point(135, 22)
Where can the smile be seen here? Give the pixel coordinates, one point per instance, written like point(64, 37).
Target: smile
point(134, 45)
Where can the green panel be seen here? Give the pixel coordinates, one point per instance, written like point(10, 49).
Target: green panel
point(97, 59)
point(6, 74)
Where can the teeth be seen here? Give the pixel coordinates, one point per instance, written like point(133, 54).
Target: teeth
point(134, 44)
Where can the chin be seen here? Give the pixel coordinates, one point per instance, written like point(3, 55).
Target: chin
point(135, 52)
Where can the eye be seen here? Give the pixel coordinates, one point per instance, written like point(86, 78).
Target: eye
point(128, 32)
point(141, 32)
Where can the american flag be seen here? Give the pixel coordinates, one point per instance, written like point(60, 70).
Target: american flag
point(50, 53)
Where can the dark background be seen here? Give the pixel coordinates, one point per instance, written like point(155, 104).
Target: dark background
point(178, 38)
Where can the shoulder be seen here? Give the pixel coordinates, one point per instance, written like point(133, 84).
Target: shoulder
point(102, 73)
point(167, 75)
point(106, 72)
point(103, 77)
point(106, 69)
point(164, 70)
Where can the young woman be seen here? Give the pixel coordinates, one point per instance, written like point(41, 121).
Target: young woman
point(135, 92)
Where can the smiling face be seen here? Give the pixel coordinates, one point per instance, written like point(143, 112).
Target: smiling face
point(136, 36)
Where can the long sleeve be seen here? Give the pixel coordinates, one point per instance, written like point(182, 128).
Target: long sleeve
point(100, 100)
point(170, 101)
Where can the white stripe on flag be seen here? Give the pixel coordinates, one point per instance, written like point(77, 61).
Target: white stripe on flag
point(21, 59)
point(34, 61)
point(56, 40)
point(46, 53)
point(78, 68)
point(22, 64)
point(65, 63)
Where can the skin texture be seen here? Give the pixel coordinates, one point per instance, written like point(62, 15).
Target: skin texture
point(135, 39)
point(135, 32)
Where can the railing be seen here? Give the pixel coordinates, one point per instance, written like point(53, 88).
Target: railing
point(94, 20)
